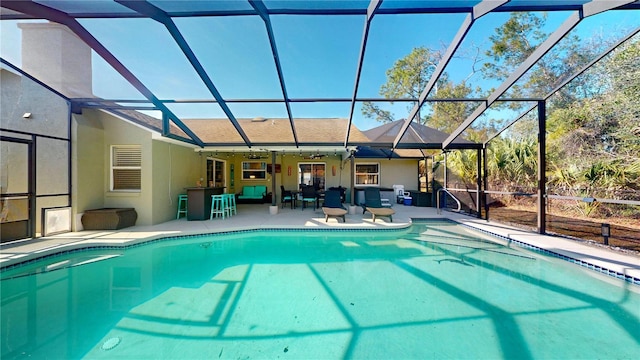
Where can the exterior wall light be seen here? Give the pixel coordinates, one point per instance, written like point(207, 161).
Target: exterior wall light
point(26, 115)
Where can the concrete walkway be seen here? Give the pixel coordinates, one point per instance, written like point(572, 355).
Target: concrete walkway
point(253, 216)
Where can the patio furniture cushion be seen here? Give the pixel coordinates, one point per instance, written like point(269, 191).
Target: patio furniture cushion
point(309, 195)
point(253, 192)
point(334, 212)
point(286, 196)
point(382, 211)
point(260, 190)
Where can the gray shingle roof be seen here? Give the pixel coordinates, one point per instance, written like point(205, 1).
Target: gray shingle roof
point(416, 133)
point(275, 130)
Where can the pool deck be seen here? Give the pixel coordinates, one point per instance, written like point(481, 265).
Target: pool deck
point(258, 217)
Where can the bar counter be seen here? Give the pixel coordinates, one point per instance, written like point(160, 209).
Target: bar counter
point(199, 201)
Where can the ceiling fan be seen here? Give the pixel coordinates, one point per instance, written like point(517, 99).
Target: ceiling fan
point(253, 156)
point(317, 155)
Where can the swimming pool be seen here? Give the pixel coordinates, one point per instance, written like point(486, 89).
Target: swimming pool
point(433, 290)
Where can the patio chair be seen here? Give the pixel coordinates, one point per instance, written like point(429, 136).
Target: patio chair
point(309, 195)
point(343, 192)
point(286, 196)
point(373, 204)
point(332, 206)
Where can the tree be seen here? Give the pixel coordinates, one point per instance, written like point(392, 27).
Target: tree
point(446, 116)
point(512, 43)
point(407, 78)
point(593, 136)
point(518, 38)
point(599, 137)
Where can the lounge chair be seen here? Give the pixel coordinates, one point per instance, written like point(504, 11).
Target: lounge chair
point(332, 206)
point(373, 204)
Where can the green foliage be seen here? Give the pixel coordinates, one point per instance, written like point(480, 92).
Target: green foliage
point(408, 77)
point(593, 124)
point(513, 43)
point(446, 116)
point(513, 165)
point(373, 111)
point(626, 78)
point(518, 38)
point(463, 164)
point(405, 79)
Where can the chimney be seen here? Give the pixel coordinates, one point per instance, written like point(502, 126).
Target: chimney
point(54, 55)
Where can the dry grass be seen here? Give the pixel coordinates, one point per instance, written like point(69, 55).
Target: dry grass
point(624, 234)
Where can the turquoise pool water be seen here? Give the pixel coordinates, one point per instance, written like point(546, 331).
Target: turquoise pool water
point(434, 290)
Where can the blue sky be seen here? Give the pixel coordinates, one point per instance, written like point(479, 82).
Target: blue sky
point(318, 55)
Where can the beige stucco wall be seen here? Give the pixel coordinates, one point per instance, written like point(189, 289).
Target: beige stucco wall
point(122, 133)
point(396, 172)
point(174, 167)
point(166, 168)
point(88, 164)
point(21, 95)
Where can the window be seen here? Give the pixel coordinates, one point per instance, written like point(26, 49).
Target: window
point(126, 168)
point(368, 174)
point(254, 170)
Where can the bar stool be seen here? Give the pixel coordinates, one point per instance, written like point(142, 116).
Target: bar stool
point(182, 205)
point(231, 204)
point(218, 206)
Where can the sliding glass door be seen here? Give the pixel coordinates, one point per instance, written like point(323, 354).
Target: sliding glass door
point(312, 174)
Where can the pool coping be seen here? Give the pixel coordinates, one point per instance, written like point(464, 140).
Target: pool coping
point(619, 266)
point(70, 248)
point(598, 268)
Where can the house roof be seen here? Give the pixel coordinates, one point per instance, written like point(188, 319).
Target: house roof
point(147, 121)
point(328, 132)
point(415, 143)
point(276, 131)
point(430, 138)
